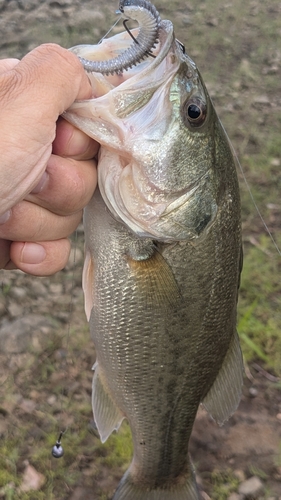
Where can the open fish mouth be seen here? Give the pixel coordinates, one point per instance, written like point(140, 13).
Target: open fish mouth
point(115, 60)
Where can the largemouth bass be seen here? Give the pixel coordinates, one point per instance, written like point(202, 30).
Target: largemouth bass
point(163, 259)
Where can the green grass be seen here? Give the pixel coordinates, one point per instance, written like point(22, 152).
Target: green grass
point(259, 308)
point(118, 449)
point(223, 484)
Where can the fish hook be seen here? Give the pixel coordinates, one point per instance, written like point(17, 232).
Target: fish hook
point(149, 21)
point(135, 39)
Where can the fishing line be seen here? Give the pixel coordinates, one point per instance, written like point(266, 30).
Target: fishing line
point(252, 196)
point(257, 208)
point(57, 449)
point(110, 29)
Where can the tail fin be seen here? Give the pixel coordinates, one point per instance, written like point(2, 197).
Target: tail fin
point(128, 490)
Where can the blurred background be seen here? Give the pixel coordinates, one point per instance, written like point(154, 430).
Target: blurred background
point(46, 353)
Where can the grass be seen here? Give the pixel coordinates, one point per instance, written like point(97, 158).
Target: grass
point(46, 374)
point(259, 308)
point(223, 484)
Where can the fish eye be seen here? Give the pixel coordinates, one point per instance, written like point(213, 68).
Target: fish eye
point(194, 112)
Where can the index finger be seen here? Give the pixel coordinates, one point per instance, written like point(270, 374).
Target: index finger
point(50, 77)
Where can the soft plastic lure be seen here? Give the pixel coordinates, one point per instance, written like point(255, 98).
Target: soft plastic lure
point(149, 21)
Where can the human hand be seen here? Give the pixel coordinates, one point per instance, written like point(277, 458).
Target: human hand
point(42, 194)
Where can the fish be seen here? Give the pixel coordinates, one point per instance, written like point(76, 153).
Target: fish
point(163, 259)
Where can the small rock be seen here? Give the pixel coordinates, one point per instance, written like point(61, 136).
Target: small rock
point(27, 405)
point(39, 288)
point(240, 475)
point(235, 496)
point(10, 403)
point(270, 70)
point(52, 400)
point(18, 292)
point(185, 19)
point(212, 21)
point(32, 479)
point(275, 162)
point(246, 69)
point(273, 206)
point(15, 310)
point(253, 392)
point(251, 488)
point(262, 99)
point(56, 288)
point(63, 316)
point(78, 494)
point(34, 395)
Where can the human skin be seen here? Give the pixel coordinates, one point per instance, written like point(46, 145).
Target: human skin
point(47, 168)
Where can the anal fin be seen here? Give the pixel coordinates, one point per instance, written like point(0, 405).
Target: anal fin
point(224, 396)
point(107, 415)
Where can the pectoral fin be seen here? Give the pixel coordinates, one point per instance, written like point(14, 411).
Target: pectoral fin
point(225, 393)
point(107, 415)
point(155, 280)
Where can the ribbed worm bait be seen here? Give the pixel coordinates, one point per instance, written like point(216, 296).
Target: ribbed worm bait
point(149, 21)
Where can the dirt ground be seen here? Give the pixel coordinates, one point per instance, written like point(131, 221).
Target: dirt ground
point(46, 355)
